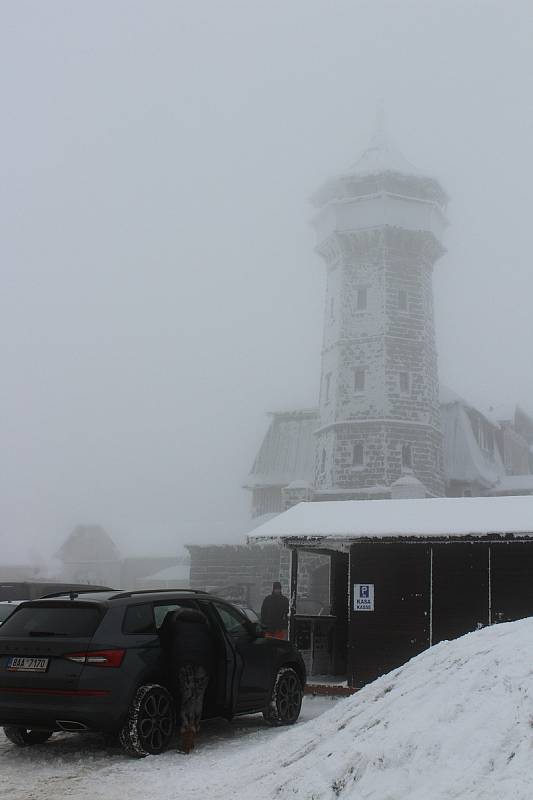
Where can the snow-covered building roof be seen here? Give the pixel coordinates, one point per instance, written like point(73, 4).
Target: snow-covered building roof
point(509, 414)
point(464, 459)
point(382, 168)
point(287, 453)
point(514, 484)
point(88, 543)
point(448, 397)
point(433, 517)
point(178, 572)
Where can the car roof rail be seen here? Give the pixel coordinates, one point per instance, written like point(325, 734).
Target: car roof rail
point(76, 592)
point(133, 592)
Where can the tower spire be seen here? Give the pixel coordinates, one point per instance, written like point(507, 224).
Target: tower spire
point(382, 155)
point(379, 127)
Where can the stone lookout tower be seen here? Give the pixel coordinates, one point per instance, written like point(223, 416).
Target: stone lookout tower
point(379, 227)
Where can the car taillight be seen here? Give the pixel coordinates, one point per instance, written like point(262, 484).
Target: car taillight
point(98, 658)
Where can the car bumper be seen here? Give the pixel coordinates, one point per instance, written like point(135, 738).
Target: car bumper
point(95, 710)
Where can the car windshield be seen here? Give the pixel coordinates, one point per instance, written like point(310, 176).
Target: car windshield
point(5, 610)
point(78, 621)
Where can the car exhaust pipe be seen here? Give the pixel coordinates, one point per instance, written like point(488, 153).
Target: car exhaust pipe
point(70, 725)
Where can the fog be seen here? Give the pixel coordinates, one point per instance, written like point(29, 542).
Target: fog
point(160, 290)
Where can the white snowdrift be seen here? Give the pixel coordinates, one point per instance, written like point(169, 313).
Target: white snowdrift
point(455, 722)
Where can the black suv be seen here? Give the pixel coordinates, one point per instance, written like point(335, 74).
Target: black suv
point(92, 661)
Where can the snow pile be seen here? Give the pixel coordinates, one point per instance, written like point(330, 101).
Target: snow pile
point(455, 722)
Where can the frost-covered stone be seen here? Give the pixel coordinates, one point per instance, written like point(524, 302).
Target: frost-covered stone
point(379, 398)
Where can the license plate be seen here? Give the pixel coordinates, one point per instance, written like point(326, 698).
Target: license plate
point(19, 664)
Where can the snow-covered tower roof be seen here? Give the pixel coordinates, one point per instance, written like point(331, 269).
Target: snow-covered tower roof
point(382, 170)
point(382, 155)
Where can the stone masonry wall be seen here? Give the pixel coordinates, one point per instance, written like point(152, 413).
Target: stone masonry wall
point(385, 340)
point(245, 573)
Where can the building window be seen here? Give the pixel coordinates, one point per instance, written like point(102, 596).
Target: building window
point(332, 308)
point(359, 380)
point(362, 298)
point(405, 383)
point(407, 456)
point(402, 300)
point(327, 386)
point(358, 455)
point(323, 462)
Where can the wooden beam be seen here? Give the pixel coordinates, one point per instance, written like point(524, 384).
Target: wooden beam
point(293, 587)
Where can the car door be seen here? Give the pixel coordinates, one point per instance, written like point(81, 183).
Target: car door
point(253, 659)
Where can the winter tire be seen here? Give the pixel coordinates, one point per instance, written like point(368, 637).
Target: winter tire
point(149, 725)
point(286, 698)
point(23, 737)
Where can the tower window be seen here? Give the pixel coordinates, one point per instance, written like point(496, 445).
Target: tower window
point(358, 455)
point(405, 383)
point(407, 456)
point(402, 300)
point(327, 386)
point(359, 380)
point(323, 462)
point(362, 298)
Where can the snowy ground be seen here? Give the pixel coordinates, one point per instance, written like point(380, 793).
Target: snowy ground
point(455, 723)
point(80, 767)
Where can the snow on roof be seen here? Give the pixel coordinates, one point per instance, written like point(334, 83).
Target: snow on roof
point(464, 459)
point(448, 397)
point(515, 483)
point(88, 543)
point(179, 572)
point(287, 452)
point(443, 516)
point(504, 412)
point(382, 155)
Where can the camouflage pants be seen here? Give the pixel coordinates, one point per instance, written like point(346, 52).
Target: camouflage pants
point(192, 682)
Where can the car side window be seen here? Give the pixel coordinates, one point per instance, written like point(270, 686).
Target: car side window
point(232, 621)
point(162, 609)
point(139, 619)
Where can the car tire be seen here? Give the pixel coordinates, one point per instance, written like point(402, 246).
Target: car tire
point(149, 725)
point(24, 737)
point(286, 698)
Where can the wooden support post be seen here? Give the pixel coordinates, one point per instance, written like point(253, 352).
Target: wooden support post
point(293, 586)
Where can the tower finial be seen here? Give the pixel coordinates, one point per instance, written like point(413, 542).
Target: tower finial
point(379, 129)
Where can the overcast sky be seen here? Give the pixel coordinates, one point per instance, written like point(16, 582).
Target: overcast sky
point(160, 291)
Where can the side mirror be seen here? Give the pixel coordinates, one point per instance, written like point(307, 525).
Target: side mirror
point(256, 630)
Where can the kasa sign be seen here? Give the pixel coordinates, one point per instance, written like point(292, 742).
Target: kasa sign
point(363, 597)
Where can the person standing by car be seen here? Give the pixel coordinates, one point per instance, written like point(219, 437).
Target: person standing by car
point(275, 613)
point(187, 643)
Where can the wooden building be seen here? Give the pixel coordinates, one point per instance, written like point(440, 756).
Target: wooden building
point(405, 575)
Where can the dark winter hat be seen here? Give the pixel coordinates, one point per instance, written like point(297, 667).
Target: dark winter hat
point(276, 585)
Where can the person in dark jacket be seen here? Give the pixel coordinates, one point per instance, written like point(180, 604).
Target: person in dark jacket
point(275, 613)
point(187, 643)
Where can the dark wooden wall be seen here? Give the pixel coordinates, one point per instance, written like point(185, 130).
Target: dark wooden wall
point(511, 580)
point(339, 609)
point(474, 583)
point(398, 629)
point(460, 589)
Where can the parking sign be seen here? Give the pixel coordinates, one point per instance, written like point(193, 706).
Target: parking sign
point(363, 597)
